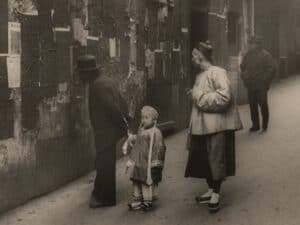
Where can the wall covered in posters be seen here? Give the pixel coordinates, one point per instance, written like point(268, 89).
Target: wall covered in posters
point(50, 126)
point(44, 119)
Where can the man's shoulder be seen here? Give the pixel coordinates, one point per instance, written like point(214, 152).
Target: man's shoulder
point(104, 82)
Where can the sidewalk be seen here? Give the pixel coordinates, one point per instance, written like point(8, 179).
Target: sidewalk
point(265, 191)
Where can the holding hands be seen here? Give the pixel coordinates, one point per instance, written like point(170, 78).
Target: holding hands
point(129, 142)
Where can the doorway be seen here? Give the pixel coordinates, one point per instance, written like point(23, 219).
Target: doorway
point(199, 26)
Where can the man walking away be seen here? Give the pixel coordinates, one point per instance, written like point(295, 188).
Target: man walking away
point(107, 113)
point(258, 69)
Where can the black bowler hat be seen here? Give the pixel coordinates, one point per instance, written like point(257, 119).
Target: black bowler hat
point(87, 63)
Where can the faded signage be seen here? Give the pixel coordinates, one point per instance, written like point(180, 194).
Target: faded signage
point(14, 71)
point(14, 38)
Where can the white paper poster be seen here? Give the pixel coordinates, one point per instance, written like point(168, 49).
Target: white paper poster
point(79, 34)
point(14, 71)
point(184, 30)
point(112, 47)
point(84, 39)
point(14, 38)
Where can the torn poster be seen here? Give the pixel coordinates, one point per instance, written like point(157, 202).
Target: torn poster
point(133, 41)
point(150, 63)
point(14, 38)
point(84, 39)
point(131, 9)
point(63, 93)
point(184, 30)
point(171, 3)
point(14, 71)
point(112, 47)
point(162, 14)
point(79, 34)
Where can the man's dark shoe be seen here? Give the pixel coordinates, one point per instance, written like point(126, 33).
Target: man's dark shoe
point(94, 203)
point(254, 129)
point(265, 128)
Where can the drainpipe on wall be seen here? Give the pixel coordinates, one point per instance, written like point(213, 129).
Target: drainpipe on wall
point(252, 17)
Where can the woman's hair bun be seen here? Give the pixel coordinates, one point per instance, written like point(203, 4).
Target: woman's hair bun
point(206, 48)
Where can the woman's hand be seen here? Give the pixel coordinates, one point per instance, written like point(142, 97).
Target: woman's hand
point(131, 139)
point(196, 94)
point(125, 148)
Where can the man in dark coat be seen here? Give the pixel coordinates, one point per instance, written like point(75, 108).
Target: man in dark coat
point(107, 113)
point(258, 69)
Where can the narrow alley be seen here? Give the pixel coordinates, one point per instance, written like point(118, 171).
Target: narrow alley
point(265, 190)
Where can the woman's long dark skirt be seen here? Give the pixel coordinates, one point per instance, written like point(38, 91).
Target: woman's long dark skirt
point(203, 161)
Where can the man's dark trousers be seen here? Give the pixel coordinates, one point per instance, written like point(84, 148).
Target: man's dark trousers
point(259, 97)
point(105, 182)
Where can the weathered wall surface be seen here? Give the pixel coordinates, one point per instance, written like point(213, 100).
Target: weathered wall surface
point(53, 147)
point(114, 25)
point(150, 62)
point(289, 37)
point(134, 41)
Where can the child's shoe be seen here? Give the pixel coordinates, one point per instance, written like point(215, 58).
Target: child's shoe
point(147, 206)
point(135, 206)
point(205, 198)
point(214, 203)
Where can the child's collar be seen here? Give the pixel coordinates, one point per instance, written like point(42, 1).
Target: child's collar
point(149, 128)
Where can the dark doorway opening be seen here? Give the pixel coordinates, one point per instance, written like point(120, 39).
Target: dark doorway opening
point(199, 26)
point(234, 33)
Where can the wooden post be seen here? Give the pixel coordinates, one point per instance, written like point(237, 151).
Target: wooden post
point(3, 26)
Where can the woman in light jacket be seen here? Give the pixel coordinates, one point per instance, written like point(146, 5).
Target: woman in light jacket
point(214, 120)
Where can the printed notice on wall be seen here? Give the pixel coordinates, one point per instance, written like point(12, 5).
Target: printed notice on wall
point(184, 30)
point(14, 38)
point(79, 33)
point(14, 71)
point(112, 47)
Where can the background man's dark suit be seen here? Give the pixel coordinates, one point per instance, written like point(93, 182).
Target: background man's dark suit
point(258, 69)
point(107, 109)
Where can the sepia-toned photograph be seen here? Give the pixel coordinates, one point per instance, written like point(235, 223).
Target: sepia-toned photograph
point(149, 112)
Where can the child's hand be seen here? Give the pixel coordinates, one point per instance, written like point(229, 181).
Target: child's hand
point(125, 148)
point(129, 164)
point(131, 139)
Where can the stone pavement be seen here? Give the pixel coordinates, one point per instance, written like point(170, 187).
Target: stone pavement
point(265, 191)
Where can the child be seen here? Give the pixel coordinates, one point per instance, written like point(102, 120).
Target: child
point(146, 159)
